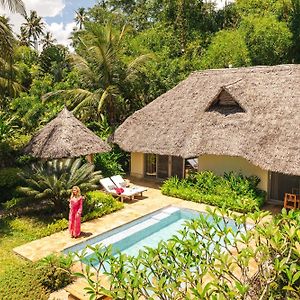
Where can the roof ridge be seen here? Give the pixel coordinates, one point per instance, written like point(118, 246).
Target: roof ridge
point(283, 67)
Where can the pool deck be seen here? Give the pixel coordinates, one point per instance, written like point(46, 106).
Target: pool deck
point(152, 200)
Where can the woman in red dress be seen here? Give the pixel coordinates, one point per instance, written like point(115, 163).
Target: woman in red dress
point(75, 212)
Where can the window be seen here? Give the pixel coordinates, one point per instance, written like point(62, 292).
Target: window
point(225, 104)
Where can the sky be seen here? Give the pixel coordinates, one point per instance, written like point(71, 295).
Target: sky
point(58, 15)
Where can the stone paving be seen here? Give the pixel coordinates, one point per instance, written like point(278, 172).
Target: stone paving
point(151, 201)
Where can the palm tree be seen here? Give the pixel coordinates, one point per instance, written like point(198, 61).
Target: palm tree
point(23, 37)
point(53, 181)
point(15, 6)
point(47, 40)
point(34, 27)
point(80, 17)
point(6, 38)
point(104, 71)
point(8, 85)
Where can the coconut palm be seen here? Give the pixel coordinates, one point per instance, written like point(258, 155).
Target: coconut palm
point(104, 72)
point(80, 17)
point(15, 6)
point(53, 181)
point(47, 40)
point(34, 27)
point(6, 38)
point(23, 37)
point(8, 85)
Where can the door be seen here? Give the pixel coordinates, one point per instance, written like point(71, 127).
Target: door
point(281, 184)
point(177, 166)
point(162, 166)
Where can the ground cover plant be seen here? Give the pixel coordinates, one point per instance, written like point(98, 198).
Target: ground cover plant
point(236, 192)
point(20, 279)
point(206, 260)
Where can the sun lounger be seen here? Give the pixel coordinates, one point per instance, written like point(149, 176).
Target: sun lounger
point(108, 185)
point(111, 188)
point(193, 162)
point(121, 183)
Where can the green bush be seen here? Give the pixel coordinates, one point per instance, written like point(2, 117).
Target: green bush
point(109, 163)
point(207, 259)
point(9, 180)
point(236, 192)
point(97, 204)
point(55, 271)
point(56, 226)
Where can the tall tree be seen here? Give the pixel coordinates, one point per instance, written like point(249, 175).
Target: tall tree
point(34, 27)
point(8, 84)
point(23, 37)
point(80, 17)
point(106, 76)
point(47, 40)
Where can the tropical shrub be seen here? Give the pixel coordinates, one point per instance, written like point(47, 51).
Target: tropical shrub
point(236, 192)
point(206, 260)
point(55, 271)
point(97, 204)
point(36, 280)
point(109, 163)
point(53, 181)
point(9, 180)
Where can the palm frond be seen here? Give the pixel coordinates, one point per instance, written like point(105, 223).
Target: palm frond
point(134, 68)
point(15, 6)
point(72, 97)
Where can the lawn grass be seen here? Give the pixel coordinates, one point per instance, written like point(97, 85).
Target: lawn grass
point(19, 278)
point(16, 273)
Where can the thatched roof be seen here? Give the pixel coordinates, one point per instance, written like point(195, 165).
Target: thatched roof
point(250, 112)
point(65, 136)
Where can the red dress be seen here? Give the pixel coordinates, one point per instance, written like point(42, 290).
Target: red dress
point(75, 215)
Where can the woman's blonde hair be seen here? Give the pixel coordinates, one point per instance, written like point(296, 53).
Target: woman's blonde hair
point(78, 191)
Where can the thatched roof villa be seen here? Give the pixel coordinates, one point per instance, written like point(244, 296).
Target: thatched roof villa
point(65, 136)
point(241, 119)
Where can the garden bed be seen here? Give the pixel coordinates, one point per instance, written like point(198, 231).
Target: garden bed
point(235, 192)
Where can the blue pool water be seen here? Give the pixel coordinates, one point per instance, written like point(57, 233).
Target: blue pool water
point(146, 231)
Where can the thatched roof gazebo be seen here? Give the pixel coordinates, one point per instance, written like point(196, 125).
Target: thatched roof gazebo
point(253, 113)
point(65, 137)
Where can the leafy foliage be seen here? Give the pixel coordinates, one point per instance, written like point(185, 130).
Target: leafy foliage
point(235, 192)
point(227, 48)
point(109, 163)
point(55, 271)
point(208, 259)
point(53, 60)
point(9, 180)
point(97, 204)
point(53, 180)
point(268, 40)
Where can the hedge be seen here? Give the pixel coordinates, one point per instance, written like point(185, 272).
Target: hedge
point(232, 191)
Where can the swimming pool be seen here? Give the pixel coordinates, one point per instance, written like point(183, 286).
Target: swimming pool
point(147, 231)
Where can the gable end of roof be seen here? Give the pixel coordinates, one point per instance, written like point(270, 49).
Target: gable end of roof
point(225, 103)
